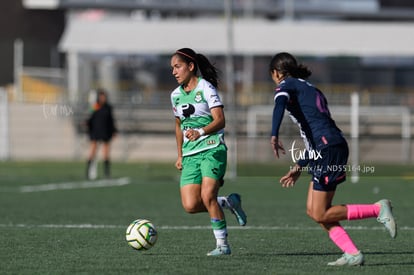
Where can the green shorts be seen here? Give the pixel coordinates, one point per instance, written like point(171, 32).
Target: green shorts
point(211, 163)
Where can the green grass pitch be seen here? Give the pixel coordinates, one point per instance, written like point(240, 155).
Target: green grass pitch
point(53, 222)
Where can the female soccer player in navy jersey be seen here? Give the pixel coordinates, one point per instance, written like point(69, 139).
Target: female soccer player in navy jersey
point(327, 154)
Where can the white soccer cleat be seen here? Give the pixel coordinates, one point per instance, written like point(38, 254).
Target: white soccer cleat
point(220, 250)
point(349, 260)
point(386, 218)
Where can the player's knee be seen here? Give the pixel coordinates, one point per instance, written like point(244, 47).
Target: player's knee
point(208, 199)
point(319, 218)
point(191, 207)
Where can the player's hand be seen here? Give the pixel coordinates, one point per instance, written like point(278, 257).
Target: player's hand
point(192, 134)
point(291, 177)
point(276, 146)
point(179, 163)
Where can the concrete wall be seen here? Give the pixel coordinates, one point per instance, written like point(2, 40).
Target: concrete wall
point(46, 131)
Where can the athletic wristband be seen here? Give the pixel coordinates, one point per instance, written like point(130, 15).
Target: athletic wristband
point(201, 131)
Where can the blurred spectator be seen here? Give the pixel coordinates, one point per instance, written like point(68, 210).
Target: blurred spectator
point(101, 130)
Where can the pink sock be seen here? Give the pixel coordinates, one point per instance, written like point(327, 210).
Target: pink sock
point(362, 211)
point(339, 236)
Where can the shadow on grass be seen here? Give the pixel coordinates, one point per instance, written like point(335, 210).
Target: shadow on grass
point(408, 262)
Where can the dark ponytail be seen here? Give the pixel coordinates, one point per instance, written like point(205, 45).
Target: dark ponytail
point(287, 65)
point(208, 71)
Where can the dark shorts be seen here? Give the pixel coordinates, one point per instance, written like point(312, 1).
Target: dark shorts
point(104, 140)
point(329, 170)
point(100, 137)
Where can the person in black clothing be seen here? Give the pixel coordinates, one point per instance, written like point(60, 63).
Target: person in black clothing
point(101, 129)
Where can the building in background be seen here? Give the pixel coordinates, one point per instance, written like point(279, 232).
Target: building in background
point(70, 47)
point(124, 45)
point(39, 30)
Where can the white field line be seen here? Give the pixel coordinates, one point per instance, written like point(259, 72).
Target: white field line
point(168, 227)
point(74, 185)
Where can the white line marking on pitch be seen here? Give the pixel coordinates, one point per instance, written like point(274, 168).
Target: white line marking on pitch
point(74, 185)
point(201, 227)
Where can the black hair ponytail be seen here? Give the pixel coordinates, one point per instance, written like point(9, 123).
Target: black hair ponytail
point(208, 71)
point(287, 65)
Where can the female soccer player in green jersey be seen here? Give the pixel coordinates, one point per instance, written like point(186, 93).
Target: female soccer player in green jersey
point(202, 153)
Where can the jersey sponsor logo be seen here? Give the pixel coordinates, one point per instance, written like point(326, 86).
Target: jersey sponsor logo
point(215, 98)
point(187, 109)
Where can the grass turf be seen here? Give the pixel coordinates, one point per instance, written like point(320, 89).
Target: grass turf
point(82, 231)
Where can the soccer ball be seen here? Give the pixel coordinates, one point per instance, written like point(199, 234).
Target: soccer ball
point(141, 234)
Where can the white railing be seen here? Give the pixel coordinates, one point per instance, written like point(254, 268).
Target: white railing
point(373, 123)
point(4, 125)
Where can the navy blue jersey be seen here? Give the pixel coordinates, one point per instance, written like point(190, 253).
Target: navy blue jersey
point(308, 108)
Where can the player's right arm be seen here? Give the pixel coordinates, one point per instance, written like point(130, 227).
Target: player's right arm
point(281, 99)
point(179, 138)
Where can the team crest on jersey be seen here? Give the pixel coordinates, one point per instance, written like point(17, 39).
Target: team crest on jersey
point(198, 97)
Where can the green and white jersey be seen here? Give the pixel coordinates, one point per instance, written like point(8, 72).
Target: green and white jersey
point(193, 109)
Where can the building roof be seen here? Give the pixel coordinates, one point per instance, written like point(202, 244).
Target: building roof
point(257, 37)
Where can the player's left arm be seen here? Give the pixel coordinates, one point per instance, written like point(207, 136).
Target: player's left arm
point(216, 110)
point(291, 177)
point(218, 123)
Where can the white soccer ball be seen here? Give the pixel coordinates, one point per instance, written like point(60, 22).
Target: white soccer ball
point(141, 234)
